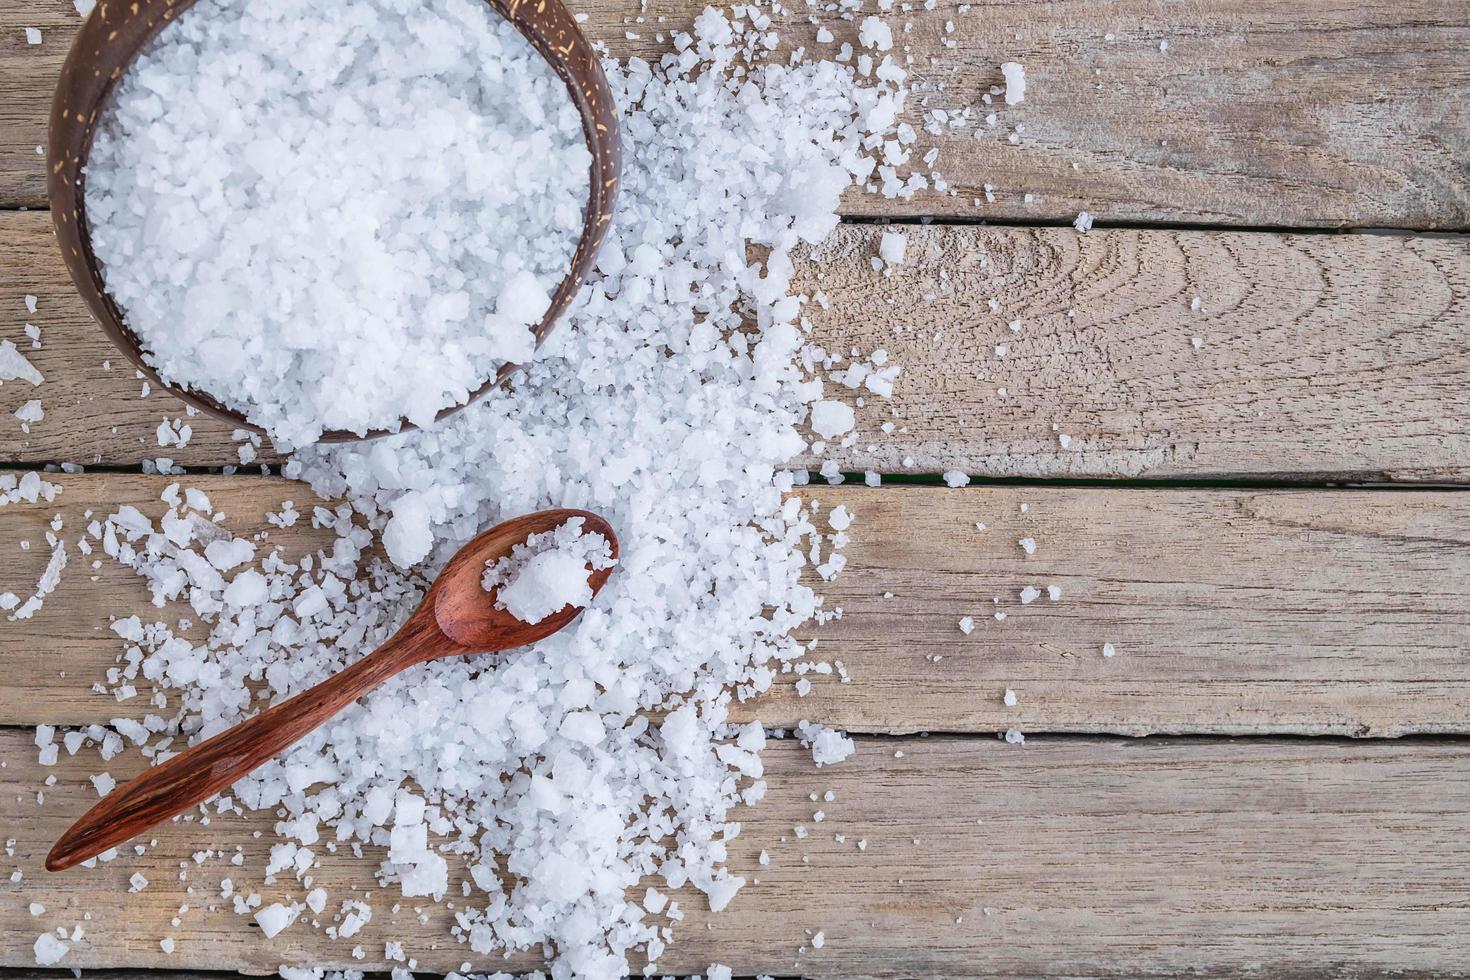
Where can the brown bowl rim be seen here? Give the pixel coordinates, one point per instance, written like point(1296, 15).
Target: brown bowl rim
point(112, 36)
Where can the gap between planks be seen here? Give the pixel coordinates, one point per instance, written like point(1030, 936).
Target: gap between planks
point(1321, 113)
point(1321, 357)
point(1231, 611)
point(1094, 857)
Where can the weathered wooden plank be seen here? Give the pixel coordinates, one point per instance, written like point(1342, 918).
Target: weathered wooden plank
point(1235, 612)
point(1320, 356)
point(1071, 857)
point(1325, 112)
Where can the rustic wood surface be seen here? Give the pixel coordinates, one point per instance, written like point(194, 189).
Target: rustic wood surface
point(1323, 112)
point(1065, 856)
point(1231, 611)
point(1344, 356)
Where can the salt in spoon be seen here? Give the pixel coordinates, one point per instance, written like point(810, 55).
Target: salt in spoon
point(457, 617)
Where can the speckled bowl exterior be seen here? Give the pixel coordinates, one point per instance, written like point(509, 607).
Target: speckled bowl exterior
point(116, 31)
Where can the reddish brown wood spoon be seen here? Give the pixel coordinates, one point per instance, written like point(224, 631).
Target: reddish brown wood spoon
point(457, 617)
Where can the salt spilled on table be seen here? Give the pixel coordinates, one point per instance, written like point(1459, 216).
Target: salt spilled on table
point(549, 572)
point(673, 403)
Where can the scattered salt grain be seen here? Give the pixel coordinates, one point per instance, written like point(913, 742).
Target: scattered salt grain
point(828, 745)
point(1028, 545)
point(956, 478)
point(891, 247)
point(274, 918)
point(49, 950)
point(831, 419)
point(31, 411)
point(1084, 220)
point(33, 36)
point(875, 33)
point(1015, 77)
point(1108, 650)
point(14, 366)
point(967, 625)
point(1009, 698)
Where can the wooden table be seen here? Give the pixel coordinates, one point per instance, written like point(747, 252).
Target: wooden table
point(1269, 526)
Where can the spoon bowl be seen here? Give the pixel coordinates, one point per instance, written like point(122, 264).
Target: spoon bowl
point(111, 38)
point(459, 605)
point(456, 618)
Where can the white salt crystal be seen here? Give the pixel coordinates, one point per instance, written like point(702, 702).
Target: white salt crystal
point(891, 247)
point(547, 583)
point(1028, 545)
point(33, 36)
point(839, 519)
point(48, 949)
point(31, 411)
point(875, 33)
point(1029, 595)
point(14, 366)
point(828, 745)
point(274, 918)
point(831, 419)
point(548, 573)
point(1053, 592)
point(967, 625)
point(247, 589)
point(1108, 650)
point(1084, 220)
point(1009, 698)
point(1015, 77)
point(956, 478)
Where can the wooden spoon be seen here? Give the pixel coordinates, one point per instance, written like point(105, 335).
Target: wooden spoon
point(457, 617)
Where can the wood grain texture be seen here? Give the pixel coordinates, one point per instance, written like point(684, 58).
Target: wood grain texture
point(1231, 612)
point(1327, 357)
point(1341, 357)
point(1065, 856)
point(1324, 112)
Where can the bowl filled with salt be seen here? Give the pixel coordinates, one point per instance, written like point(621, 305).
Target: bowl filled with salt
point(331, 222)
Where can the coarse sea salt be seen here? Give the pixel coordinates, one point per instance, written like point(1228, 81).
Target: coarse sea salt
point(547, 573)
point(372, 227)
point(670, 403)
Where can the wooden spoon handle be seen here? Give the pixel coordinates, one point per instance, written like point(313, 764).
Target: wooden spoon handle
point(203, 770)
